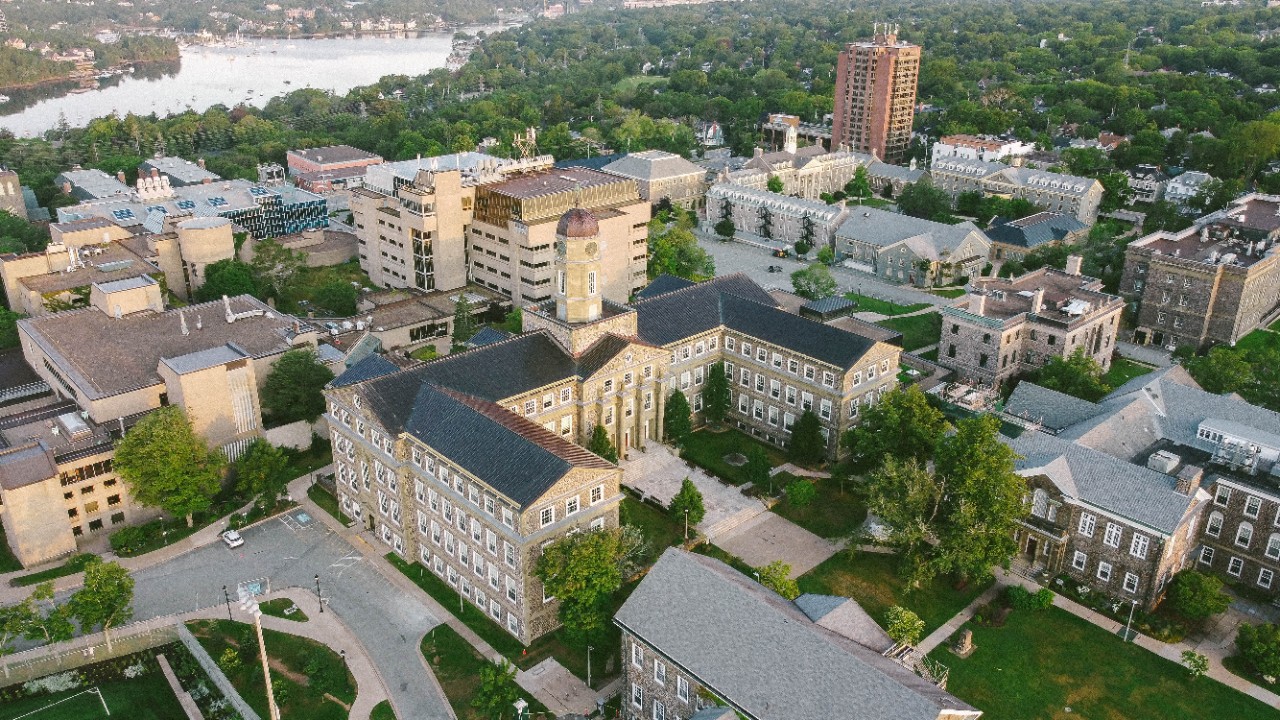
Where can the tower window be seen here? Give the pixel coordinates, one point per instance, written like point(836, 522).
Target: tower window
point(591, 283)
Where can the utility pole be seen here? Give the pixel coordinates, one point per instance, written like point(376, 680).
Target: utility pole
point(249, 605)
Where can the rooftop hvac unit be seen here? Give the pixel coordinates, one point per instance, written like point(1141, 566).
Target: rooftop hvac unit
point(1163, 461)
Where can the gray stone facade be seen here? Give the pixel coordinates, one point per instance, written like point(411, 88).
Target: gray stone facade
point(1241, 535)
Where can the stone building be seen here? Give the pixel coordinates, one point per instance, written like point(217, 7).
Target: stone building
point(692, 639)
point(1055, 192)
point(806, 172)
point(11, 197)
point(904, 249)
point(1012, 326)
point(662, 175)
point(325, 169)
point(986, 148)
point(1213, 282)
point(875, 98)
point(1182, 189)
point(769, 218)
point(1013, 239)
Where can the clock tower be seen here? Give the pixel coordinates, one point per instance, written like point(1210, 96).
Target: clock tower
point(579, 283)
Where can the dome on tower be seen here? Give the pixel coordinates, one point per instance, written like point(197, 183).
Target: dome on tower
point(578, 223)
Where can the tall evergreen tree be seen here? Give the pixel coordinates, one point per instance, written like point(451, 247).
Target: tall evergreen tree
point(716, 397)
point(677, 418)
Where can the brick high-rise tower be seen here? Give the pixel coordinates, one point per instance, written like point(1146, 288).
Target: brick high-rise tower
point(876, 95)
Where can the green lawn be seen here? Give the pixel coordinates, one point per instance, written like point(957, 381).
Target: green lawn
point(719, 553)
point(707, 449)
point(382, 711)
point(1123, 370)
point(931, 356)
point(866, 303)
point(950, 292)
point(70, 567)
point(278, 606)
point(873, 580)
point(143, 698)
point(832, 514)
point(634, 82)
point(1041, 663)
point(471, 616)
point(917, 331)
point(660, 529)
point(309, 280)
point(322, 497)
point(313, 669)
point(1260, 340)
point(456, 666)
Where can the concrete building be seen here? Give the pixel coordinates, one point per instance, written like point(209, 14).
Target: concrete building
point(700, 638)
point(1055, 192)
point(1148, 183)
point(1213, 282)
point(1012, 326)
point(773, 219)
point(1013, 239)
point(986, 148)
point(779, 126)
point(876, 95)
point(662, 175)
point(180, 171)
point(903, 249)
point(323, 170)
point(1182, 189)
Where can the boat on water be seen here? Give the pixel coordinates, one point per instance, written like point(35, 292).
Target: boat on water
point(5, 98)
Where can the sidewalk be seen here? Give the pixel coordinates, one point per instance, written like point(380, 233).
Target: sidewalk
point(560, 691)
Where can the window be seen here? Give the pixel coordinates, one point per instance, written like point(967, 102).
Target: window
point(1273, 546)
point(659, 710)
point(1252, 505)
point(762, 355)
point(1244, 534)
point(1130, 583)
point(777, 361)
point(1206, 555)
point(1265, 577)
point(793, 367)
point(1112, 536)
point(1104, 571)
point(509, 552)
point(1080, 561)
point(570, 506)
point(728, 343)
point(791, 395)
point(659, 671)
point(637, 696)
point(1138, 547)
point(682, 688)
point(824, 409)
point(597, 494)
point(1235, 566)
point(1214, 526)
point(828, 379)
point(809, 372)
point(1087, 522)
point(591, 283)
point(548, 516)
point(744, 378)
point(1222, 496)
point(637, 655)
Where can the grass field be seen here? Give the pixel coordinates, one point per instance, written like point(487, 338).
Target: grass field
point(71, 567)
point(660, 529)
point(277, 608)
point(382, 711)
point(951, 292)
point(917, 331)
point(866, 303)
point(1260, 340)
point(309, 280)
point(327, 502)
point(144, 698)
point(707, 449)
point(832, 514)
point(873, 580)
point(1042, 663)
point(1123, 370)
point(634, 82)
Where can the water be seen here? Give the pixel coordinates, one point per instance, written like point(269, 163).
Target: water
point(251, 74)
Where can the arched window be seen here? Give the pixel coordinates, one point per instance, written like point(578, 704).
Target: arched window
point(1244, 534)
point(1214, 528)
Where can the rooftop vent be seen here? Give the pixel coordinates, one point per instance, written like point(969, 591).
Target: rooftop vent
point(1163, 461)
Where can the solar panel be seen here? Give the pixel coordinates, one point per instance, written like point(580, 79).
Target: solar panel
point(116, 265)
point(259, 191)
point(125, 214)
point(187, 204)
point(157, 208)
point(217, 201)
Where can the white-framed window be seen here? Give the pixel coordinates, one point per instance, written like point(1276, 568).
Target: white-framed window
point(1104, 571)
point(793, 366)
point(1235, 566)
point(1080, 561)
point(1206, 555)
point(1087, 523)
point(548, 516)
point(824, 409)
point(744, 377)
point(597, 524)
point(1252, 505)
point(1265, 577)
point(509, 553)
point(1222, 496)
point(1130, 583)
point(809, 372)
point(1244, 534)
point(637, 695)
point(637, 655)
point(597, 494)
point(1112, 536)
point(566, 395)
point(530, 407)
point(762, 355)
point(806, 401)
point(659, 672)
point(1214, 527)
point(508, 517)
point(1273, 546)
point(788, 419)
point(773, 416)
point(513, 624)
point(682, 688)
point(453, 576)
point(746, 348)
point(570, 506)
point(512, 589)
point(659, 710)
point(1138, 546)
point(828, 378)
point(728, 343)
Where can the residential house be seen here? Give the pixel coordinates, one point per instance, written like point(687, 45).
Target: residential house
point(1182, 189)
point(1148, 184)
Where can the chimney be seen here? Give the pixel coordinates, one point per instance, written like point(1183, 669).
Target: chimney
point(1037, 300)
point(1189, 478)
point(977, 303)
point(200, 162)
point(66, 188)
point(120, 177)
point(155, 172)
point(1073, 264)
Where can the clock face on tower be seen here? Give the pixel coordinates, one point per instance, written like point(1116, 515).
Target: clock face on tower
point(591, 248)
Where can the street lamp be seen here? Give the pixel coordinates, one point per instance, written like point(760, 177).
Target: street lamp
point(227, 596)
point(757, 574)
point(318, 595)
point(589, 649)
point(521, 706)
point(686, 524)
point(1127, 636)
point(249, 605)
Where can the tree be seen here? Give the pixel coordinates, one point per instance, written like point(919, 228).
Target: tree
point(1215, 195)
point(826, 255)
point(676, 251)
point(766, 222)
point(725, 228)
point(49, 621)
point(337, 297)
point(513, 322)
point(105, 598)
point(801, 492)
point(1222, 370)
point(805, 243)
point(807, 446)
point(583, 570)
point(226, 277)
point(1260, 647)
point(464, 324)
point(777, 577)
point(859, 186)
point(262, 469)
point(294, 389)
point(1195, 663)
point(167, 465)
point(274, 266)
point(1116, 192)
point(689, 499)
point(902, 424)
point(1197, 596)
point(758, 469)
point(677, 418)
point(15, 621)
point(903, 626)
point(1078, 375)
point(716, 397)
point(814, 282)
point(923, 200)
point(602, 445)
point(498, 689)
point(9, 328)
point(774, 184)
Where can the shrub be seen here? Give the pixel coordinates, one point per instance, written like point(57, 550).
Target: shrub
point(1019, 598)
point(904, 626)
point(801, 492)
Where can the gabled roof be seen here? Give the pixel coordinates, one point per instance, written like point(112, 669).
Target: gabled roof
point(653, 165)
point(1054, 410)
point(370, 367)
point(684, 313)
point(1034, 230)
point(885, 229)
point(662, 285)
point(514, 456)
point(487, 336)
point(763, 655)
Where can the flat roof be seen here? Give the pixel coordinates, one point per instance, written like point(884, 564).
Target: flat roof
point(114, 262)
point(554, 182)
point(335, 154)
point(1006, 298)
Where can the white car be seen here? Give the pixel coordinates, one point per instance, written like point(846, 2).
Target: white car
point(232, 539)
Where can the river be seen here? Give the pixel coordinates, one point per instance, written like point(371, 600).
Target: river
point(251, 73)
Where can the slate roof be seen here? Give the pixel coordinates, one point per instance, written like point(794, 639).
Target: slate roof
point(846, 617)
point(814, 339)
point(653, 165)
point(26, 465)
point(676, 315)
point(832, 304)
point(662, 285)
point(514, 456)
point(885, 229)
point(1109, 483)
point(487, 336)
point(370, 367)
point(762, 654)
point(895, 172)
point(1034, 230)
point(1054, 410)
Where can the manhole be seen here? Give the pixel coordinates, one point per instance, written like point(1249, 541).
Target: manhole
point(736, 459)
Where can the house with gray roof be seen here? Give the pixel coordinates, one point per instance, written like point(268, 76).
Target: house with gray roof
point(1013, 239)
point(1055, 192)
point(904, 249)
point(662, 175)
point(697, 634)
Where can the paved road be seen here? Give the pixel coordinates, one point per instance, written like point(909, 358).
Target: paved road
point(291, 553)
point(734, 257)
